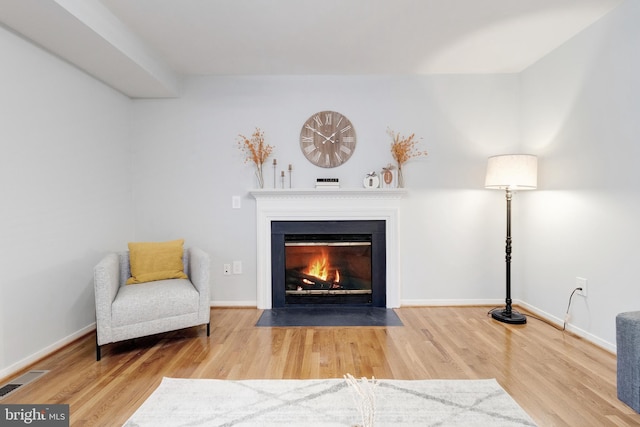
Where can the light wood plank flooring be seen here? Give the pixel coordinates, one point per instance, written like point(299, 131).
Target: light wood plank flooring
point(559, 379)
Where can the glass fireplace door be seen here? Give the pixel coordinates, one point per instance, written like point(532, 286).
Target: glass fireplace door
point(325, 268)
point(328, 262)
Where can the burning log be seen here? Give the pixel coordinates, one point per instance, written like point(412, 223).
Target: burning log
point(295, 278)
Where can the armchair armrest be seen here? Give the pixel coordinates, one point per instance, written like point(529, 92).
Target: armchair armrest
point(106, 277)
point(199, 264)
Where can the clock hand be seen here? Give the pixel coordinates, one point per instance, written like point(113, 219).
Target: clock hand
point(329, 139)
point(320, 133)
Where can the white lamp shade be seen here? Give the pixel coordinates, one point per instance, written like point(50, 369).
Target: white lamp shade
point(512, 172)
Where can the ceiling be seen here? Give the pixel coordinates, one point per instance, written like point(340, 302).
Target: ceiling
point(143, 47)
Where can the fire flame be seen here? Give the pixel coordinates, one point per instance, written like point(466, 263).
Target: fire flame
point(319, 267)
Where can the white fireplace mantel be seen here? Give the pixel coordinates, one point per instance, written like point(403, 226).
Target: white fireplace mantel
point(327, 205)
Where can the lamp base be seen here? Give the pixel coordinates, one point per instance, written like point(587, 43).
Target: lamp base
point(513, 318)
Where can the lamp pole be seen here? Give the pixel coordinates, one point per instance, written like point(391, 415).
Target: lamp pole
point(511, 172)
point(507, 315)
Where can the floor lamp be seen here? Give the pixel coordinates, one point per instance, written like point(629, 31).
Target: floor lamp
point(511, 172)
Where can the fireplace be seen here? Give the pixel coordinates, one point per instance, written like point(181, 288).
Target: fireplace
point(311, 205)
point(328, 262)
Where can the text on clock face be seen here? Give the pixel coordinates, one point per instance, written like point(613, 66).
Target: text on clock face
point(328, 118)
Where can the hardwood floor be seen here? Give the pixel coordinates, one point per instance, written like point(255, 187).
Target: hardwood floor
point(558, 378)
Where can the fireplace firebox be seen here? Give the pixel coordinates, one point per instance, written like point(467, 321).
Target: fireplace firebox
point(328, 262)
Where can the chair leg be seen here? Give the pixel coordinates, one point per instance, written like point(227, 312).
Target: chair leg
point(98, 353)
point(209, 329)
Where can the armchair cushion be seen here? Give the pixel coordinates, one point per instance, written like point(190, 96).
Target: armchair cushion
point(152, 261)
point(149, 301)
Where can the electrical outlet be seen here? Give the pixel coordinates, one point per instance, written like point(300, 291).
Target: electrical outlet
point(237, 267)
point(581, 283)
point(226, 268)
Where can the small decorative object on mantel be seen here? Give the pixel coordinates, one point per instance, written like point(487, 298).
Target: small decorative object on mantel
point(290, 171)
point(371, 180)
point(256, 151)
point(387, 177)
point(403, 149)
point(275, 163)
point(327, 183)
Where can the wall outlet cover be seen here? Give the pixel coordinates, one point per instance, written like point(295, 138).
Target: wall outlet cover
point(235, 202)
point(581, 282)
point(237, 267)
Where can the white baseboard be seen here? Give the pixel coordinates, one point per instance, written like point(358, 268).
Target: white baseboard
point(403, 303)
point(47, 351)
point(448, 302)
point(571, 328)
point(251, 304)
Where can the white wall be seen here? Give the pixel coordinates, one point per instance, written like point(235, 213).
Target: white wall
point(66, 197)
point(581, 109)
point(187, 167)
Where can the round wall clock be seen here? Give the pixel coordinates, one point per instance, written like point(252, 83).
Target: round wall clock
point(327, 139)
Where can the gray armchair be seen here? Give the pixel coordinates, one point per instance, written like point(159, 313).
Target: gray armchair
point(130, 311)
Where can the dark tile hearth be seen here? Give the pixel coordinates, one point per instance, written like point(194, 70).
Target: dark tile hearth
point(329, 316)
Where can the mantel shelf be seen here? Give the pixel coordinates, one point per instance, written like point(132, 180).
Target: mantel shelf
point(357, 193)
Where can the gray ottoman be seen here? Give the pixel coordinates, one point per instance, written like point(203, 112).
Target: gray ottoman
point(628, 354)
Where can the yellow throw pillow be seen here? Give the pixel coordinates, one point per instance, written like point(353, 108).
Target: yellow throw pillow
point(155, 261)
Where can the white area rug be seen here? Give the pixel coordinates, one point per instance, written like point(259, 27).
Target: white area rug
point(308, 403)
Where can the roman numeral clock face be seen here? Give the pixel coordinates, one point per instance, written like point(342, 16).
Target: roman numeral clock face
point(327, 139)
